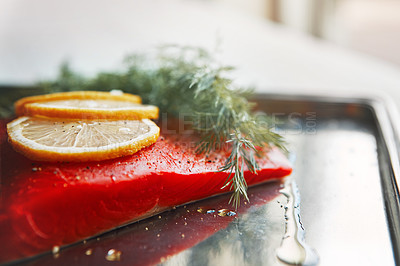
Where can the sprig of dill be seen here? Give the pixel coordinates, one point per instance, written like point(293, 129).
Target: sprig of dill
point(187, 80)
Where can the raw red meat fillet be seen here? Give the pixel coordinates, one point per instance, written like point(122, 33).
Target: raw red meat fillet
point(48, 204)
point(158, 238)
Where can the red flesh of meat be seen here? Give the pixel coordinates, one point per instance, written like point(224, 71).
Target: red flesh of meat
point(153, 240)
point(48, 204)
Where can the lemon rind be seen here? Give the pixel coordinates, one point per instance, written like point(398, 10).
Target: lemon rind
point(20, 104)
point(120, 113)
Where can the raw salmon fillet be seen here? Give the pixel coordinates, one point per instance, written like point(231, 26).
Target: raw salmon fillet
point(53, 204)
point(158, 238)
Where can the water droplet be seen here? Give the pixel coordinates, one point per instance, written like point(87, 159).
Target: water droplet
point(124, 130)
point(293, 249)
point(231, 213)
point(55, 250)
point(113, 255)
point(222, 212)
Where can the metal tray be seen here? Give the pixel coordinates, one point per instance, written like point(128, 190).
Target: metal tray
point(346, 167)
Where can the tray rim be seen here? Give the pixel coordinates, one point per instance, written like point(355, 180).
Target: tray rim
point(387, 119)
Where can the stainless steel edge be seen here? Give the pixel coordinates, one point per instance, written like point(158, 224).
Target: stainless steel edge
point(388, 128)
point(387, 118)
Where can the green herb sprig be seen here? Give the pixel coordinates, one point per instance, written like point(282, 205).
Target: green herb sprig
point(187, 80)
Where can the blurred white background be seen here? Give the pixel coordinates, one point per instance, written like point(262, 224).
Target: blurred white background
point(318, 46)
point(370, 26)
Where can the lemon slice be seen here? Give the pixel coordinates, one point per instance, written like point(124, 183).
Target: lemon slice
point(45, 139)
point(91, 109)
point(114, 95)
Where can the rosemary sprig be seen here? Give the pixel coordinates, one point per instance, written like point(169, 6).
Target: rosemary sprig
point(186, 80)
